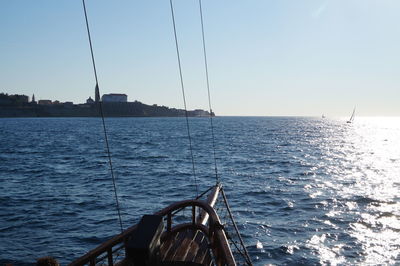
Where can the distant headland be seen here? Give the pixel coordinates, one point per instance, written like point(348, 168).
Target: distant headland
point(114, 105)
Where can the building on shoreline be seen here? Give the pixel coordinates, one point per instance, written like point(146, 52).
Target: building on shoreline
point(45, 102)
point(114, 98)
point(114, 105)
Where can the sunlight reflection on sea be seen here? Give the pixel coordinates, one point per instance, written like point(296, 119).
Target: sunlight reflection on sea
point(365, 185)
point(303, 190)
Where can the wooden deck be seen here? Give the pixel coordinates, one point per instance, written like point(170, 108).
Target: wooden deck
point(185, 247)
point(189, 246)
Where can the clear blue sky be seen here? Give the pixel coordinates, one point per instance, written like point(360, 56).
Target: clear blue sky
point(265, 57)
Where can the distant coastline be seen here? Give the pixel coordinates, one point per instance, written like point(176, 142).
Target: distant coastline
point(20, 106)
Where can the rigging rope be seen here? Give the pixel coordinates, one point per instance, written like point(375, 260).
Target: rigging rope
point(208, 91)
point(183, 94)
point(246, 254)
point(102, 117)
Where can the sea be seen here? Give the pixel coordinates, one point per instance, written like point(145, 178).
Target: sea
point(303, 190)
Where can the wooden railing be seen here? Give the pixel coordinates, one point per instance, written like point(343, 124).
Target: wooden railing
point(214, 230)
point(208, 222)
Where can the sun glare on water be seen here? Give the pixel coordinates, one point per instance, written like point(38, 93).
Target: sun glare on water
point(366, 186)
point(378, 153)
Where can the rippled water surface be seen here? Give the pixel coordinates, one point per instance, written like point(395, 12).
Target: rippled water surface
point(303, 190)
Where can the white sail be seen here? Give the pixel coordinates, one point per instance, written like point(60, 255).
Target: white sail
point(352, 116)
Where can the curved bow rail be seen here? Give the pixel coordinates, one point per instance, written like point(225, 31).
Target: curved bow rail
point(203, 219)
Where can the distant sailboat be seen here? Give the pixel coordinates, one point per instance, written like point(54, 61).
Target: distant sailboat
point(352, 116)
point(323, 116)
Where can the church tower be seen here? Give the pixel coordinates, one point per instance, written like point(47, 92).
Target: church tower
point(96, 94)
point(33, 98)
